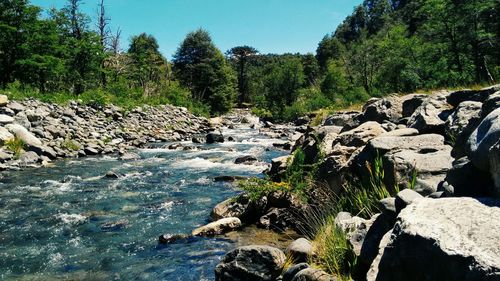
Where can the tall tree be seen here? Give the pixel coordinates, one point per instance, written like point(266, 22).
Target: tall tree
point(202, 68)
point(241, 56)
point(148, 63)
point(104, 33)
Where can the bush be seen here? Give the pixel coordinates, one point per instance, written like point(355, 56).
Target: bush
point(16, 145)
point(257, 188)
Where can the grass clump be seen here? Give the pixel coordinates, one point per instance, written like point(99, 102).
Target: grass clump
point(257, 188)
point(70, 145)
point(16, 145)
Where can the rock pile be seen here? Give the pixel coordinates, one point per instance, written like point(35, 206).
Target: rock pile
point(48, 131)
point(435, 149)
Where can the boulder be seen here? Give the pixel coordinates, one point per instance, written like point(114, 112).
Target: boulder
point(23, 134)
point(256, 263)
point(213, 138)
point(494, 157)
point(218, 227)
point(360, 135)
point(340, 119)
point(355, 229)
point(278, 219)
point(490, 104)
point(465, 179)
point(16, 107)
point(385, 109)
point(458, 97)
point(5, 136)
point(278, 167)
point(411, 103)
point(311, 274)
point(460, 125)
point(422, 169)
point(28, 158)
point(248, 211)
point(443, 239)
point(300, 250)
point(172, 238)
point(431, 115)
point(248, 159)
point(483, 139)
point(293, 270)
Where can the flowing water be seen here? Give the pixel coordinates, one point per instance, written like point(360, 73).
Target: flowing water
point(68, 222)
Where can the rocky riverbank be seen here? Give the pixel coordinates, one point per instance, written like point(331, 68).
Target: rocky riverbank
point(439, 154)
point(32, 133)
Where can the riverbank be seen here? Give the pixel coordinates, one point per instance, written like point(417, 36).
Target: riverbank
point(403, 190)
point(33, 133)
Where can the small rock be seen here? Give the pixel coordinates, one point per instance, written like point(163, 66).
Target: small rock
point(293, 270)
point(300, 249)
point(4, 100)
point(245, 160)
point(218, 227)
point(311, 274)
point(405, 198)
point(213, 138)
point(172, 238)
point(5, 119)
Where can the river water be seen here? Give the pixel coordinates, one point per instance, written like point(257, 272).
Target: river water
point(68, 222)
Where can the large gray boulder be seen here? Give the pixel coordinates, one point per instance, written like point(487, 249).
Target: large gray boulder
point(23, 134)
point(430, 117)
point(340, 118)
point(248, 211)
point(458, 97)
point(257, 263)
point(442, 239)
point(379, 110)
point(360, 135)
point(490, 104)
point(465, 179)
point(300, 250)
point(422, 169)
point(483, 139)
point(460, 125)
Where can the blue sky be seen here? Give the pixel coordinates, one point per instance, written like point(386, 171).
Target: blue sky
point(271, 26)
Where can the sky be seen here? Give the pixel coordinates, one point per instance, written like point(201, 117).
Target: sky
point(270, 26)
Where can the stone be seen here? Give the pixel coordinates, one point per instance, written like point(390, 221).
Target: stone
point(89, 150)
point(28, 158)
point(43, 150)
point(355, 229)
point(172, 238)
point(256, 263)
point(421, 169)
point(218, 227)
point(300, 250)
point(311, 274)
point(340, 119)
point(465, 179)
point(405, 132)
point(278, 219)
point(411, 103)
point(458, 97)
point(245, 160)
point(214, 138)
point(490, 104)
point(483, 139)
point(360, 135)
point(381, 224)
point(443, 239)
point(5, 136)
point(460, 125)
point(4, 100)
point(494, 157)
point(6, 119)
point(430, 117)
point(372, 273)
point(23, 134)
point(405, 198)
point(293, 270)
point(5, 155)
point(242, 207)
point(16, 107)
point(385, 109)
point(278, 167)
point(388, 206)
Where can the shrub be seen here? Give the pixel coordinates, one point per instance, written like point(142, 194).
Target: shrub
point(257, 188)
point(16, 145)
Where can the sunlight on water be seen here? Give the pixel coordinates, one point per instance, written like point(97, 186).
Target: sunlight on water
point(70, 222)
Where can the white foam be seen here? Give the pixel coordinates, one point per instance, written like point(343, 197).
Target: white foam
point(204, 165)
point(72, 218)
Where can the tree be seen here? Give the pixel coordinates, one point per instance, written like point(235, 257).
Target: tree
point(283, 81)
point(241, 56)
point(148, 64)
point(202, 68)
point(104, 36)
point(328, 48)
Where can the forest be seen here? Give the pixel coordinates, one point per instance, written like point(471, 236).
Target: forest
point(383, 47)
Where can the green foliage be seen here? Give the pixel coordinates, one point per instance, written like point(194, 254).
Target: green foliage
point(202, 68)
point(16, 145)
point(257, 188)
point(334, 252)
point(69, 144)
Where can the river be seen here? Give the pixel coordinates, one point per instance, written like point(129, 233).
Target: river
point(69, 222)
